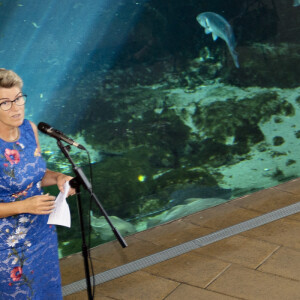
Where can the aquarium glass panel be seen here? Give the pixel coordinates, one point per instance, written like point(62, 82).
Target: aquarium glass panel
point(181, 105)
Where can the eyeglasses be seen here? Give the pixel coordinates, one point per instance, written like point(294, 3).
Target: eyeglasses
point(7, 104)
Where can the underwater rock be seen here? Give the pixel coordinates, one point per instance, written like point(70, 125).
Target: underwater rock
point(278, 175)
point(267, 65)
point(290, 162)
point(278, 140)
point(103, 229)
point(238, 119)
point(297, 134)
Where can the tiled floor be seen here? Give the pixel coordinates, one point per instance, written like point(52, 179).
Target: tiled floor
point(262, 263)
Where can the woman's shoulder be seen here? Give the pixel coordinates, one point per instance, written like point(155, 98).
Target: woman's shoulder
point(35, 131)
point(33, 126)
point(26, 123)
point(28, 129)
point(27, 126)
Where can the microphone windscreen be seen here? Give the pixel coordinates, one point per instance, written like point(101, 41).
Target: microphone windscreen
point(44, 127)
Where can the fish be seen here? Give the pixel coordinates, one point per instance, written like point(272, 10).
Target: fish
point(219, 27)
point(296, 2)
point(35, 25)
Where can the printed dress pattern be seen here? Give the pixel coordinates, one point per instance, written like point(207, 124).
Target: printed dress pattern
point(29, 265)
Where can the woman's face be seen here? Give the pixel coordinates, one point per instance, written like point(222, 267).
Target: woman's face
point(13, 117)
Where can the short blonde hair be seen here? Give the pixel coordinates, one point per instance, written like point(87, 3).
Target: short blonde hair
point(9, 79)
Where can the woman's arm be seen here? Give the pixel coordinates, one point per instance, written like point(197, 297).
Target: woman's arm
point(38, 205)
point(52, 178)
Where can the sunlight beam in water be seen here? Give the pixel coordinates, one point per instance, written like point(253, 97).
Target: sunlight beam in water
point(50, 44)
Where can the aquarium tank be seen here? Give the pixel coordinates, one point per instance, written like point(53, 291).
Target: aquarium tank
point(182, 105)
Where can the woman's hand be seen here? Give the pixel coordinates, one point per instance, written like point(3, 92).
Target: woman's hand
point(39, 205)
point(61, 180)
point(52, 178)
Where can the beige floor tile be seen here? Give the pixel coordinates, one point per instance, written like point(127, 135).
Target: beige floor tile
point(295, 217)
point(173, 234)
point(292, 186)
point(193, 293)
point(190, 268)
point(67, 267)
point(221, 217)
point(285, 262)
point(281, 232)
point(137, 286)
point(83, 296)
point(240, 250)
point(253, 285)
point(267, 200)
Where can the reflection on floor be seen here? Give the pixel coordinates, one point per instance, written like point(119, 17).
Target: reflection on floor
point(262, 263)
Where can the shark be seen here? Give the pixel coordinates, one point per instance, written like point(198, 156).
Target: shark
point(296, 2)
point(219, 27)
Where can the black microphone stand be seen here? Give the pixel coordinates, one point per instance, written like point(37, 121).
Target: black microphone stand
point(76, 182)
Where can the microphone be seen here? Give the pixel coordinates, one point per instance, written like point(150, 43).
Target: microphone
point(47, 129)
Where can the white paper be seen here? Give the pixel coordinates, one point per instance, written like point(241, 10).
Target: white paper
point(61, 213)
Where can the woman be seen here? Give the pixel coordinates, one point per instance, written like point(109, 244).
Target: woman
point(29, 265)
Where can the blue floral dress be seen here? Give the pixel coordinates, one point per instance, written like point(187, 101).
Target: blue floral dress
point(29, 265)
